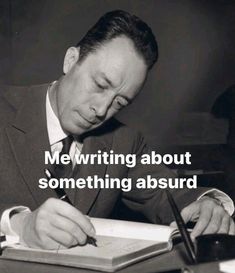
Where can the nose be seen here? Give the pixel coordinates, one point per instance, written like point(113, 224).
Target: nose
point(100, 108)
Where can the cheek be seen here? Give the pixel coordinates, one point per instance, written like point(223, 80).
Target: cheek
point(62, 102)
point(74, 96)
point(65, 105)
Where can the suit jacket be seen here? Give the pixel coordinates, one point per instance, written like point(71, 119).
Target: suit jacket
point(24, 139)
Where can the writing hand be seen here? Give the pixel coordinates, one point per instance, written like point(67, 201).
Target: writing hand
point(54, 223)
point(210, 216)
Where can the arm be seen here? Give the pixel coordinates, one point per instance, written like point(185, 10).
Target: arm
point(154, 205)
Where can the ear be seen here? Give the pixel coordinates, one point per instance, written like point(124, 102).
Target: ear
point(71, 58)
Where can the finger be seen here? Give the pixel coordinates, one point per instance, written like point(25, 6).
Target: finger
point(47, 243)
point(203, 221)
point(69, 226)
point(52, 238)
point(225, 224)
point(42, 242)
point(66, 210)
point(81, 220)
point(61, 237)
point(232, 228)
point(215, 221)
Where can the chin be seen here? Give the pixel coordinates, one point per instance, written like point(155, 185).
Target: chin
point(77, 130)
point(72, 129)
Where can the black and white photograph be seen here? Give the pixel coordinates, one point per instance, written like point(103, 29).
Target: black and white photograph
point(117, 136)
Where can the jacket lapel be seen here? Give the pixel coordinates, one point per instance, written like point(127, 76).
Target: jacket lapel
point(29, 141)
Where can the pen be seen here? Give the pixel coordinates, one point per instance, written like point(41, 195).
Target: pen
point(63, 196)
point(182, 229)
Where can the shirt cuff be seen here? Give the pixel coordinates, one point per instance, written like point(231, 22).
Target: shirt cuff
point(11, 236)
point(222, 197)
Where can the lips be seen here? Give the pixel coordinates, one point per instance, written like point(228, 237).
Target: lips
point(86, 122)
point(89, 121)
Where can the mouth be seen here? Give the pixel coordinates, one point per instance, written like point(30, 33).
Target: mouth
point(89, 121)
point(86, 122)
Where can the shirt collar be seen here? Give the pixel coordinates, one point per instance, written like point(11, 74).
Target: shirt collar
point(55, 131)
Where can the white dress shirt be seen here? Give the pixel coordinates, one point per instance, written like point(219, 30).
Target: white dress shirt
point(56, 133)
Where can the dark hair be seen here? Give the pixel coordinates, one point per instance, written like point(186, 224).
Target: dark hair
point(116, 23)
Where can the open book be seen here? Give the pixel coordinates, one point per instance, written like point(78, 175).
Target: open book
point(119, 243)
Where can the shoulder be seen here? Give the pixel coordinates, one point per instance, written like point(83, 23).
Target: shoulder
point(114, 126)
point(14, 96)
point(11, 100)
point(119, 133)
point(125, 132)
point(11, 97)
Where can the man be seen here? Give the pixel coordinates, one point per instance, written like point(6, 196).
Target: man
point(102, 74)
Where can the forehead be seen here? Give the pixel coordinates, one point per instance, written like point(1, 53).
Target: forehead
point(119, 62)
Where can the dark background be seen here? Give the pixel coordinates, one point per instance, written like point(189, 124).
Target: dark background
point(196, 64)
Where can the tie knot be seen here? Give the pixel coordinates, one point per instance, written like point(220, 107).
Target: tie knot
point(64, 170)
point(66, 144)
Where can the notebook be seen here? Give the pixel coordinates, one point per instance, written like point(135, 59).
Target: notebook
point(119, 244)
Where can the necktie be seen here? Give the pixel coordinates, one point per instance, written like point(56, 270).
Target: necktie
point(64, 170)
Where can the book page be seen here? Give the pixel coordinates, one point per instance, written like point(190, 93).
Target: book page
point(109, 247)
point(135, 230)
point(227, 266)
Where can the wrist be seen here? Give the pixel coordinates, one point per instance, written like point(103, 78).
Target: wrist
point(17, 221)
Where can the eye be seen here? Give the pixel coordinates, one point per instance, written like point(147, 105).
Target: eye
point(119, 102)
point(100, 85)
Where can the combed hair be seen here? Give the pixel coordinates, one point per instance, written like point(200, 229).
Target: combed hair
point(117, 23)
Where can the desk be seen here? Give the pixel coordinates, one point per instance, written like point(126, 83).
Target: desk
point(173, 259)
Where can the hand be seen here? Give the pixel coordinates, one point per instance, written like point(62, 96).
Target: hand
point(210, 216)
point(54, 223)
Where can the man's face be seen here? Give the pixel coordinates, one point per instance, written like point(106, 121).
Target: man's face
point(94, 90)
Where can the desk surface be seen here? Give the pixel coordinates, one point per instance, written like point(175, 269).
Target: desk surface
point(175, 258)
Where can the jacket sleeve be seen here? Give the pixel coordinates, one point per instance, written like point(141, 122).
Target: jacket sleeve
point(153, 203)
